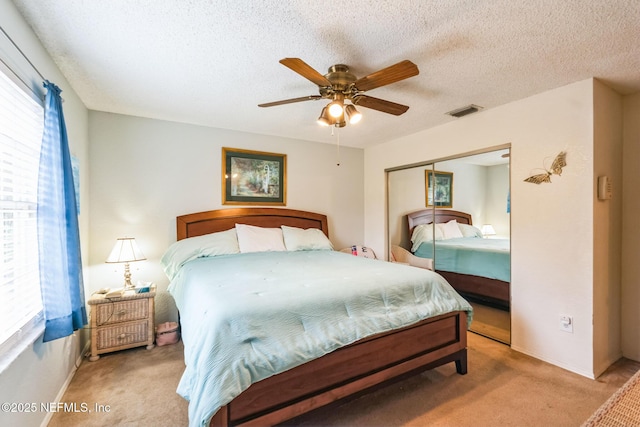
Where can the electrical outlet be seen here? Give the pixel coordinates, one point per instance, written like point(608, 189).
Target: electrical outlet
point(566, 323)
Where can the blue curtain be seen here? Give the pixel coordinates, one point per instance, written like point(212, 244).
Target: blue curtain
point(58, 233)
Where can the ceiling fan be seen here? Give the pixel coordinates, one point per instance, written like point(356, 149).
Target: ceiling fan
point(339, 85)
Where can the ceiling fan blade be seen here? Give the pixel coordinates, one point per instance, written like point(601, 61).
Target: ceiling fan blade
point(291, 101)
point(400, 71)
point(380, 105)
point(305, 70)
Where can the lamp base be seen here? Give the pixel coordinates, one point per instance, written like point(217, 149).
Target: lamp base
point(127, 277)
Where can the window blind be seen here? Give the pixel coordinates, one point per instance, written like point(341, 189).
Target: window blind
point(21, 126)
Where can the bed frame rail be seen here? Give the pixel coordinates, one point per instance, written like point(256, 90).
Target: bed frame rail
point(350, 370)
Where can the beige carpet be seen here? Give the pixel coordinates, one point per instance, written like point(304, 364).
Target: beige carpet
point(620, 410)
point(502, 388)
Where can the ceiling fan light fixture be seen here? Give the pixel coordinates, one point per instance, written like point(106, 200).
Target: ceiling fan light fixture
point(335, 109)
point(354, 115)
point(339, 84)
point(324, 119)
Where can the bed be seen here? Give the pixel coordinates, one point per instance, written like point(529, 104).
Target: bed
point(477, 268)
point(354, 365)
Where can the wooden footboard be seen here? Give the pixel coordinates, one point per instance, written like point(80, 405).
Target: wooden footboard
point(349, 370)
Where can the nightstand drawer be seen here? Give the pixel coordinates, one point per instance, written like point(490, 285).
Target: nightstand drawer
point(124, 335)
point(121, 311)
point(122, 322)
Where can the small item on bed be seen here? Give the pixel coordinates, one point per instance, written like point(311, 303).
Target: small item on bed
point(167, 333)
point(362, 251)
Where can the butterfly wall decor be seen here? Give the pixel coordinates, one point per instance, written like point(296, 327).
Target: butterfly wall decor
point(556, 169)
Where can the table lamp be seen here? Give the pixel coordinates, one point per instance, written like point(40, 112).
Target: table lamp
point(126, 250)
point(488, 230)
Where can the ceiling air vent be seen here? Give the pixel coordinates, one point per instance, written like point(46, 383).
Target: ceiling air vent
point(469, 109)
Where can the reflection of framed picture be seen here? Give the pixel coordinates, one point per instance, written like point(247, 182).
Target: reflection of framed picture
point(253, 177)
point(439, 186)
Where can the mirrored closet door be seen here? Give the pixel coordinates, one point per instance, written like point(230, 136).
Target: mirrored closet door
point(455, 214)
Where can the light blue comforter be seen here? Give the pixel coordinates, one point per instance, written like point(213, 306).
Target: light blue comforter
point(471, 255)
point(246, 317)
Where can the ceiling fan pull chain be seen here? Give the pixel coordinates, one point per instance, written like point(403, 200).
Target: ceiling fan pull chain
point(337, 146)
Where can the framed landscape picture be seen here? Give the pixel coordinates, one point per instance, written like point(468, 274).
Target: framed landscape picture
point(253, 177)
point(439, 188)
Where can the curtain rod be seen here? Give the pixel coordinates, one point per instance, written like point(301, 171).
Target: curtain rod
point(27, 85)
point(23, 55)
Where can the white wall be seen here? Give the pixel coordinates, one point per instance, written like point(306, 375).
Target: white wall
point(631, 235)
point(496, 202)
point(146, 172)
point(407, 193)
point(469, 188)
point(551, 224)
point(40, 372)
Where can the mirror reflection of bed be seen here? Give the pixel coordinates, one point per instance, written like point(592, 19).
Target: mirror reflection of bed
point(479, 268)
point(480, 271)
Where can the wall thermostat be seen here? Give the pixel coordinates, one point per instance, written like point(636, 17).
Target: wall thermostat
point(605, 188)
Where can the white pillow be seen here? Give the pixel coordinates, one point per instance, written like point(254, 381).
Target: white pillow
point(424, 233)
point(259, 239)
point(470, 231)
point(221, 243)
point(450, 230)
point(311, 239)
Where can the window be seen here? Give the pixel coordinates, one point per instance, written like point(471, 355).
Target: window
point(21, 126)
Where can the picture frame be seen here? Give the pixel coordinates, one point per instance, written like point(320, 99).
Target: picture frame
point(439, 195)
point(253, 177)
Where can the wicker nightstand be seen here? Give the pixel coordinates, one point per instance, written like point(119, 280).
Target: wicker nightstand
point(120, 323)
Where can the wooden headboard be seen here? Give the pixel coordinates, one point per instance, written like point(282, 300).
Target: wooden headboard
point(427, 216)
point(197, 224)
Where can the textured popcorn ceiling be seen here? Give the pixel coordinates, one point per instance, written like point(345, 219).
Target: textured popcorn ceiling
point(210, 62)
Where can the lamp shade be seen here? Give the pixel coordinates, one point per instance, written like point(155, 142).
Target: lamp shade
point(353, 114)
point(488, 230)
point(324, 119)
point(126, 250)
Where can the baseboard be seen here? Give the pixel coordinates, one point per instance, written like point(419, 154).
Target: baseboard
point(600, 368)
point(554, 362)
point(72, 373)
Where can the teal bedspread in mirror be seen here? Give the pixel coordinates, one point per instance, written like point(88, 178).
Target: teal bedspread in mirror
point(469, 255)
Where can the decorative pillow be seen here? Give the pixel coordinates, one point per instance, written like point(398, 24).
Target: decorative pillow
point(450, 230)
point(424, 233)
point(310, 239)
point(469, 230)
point(259, 239)
point(221, 243)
